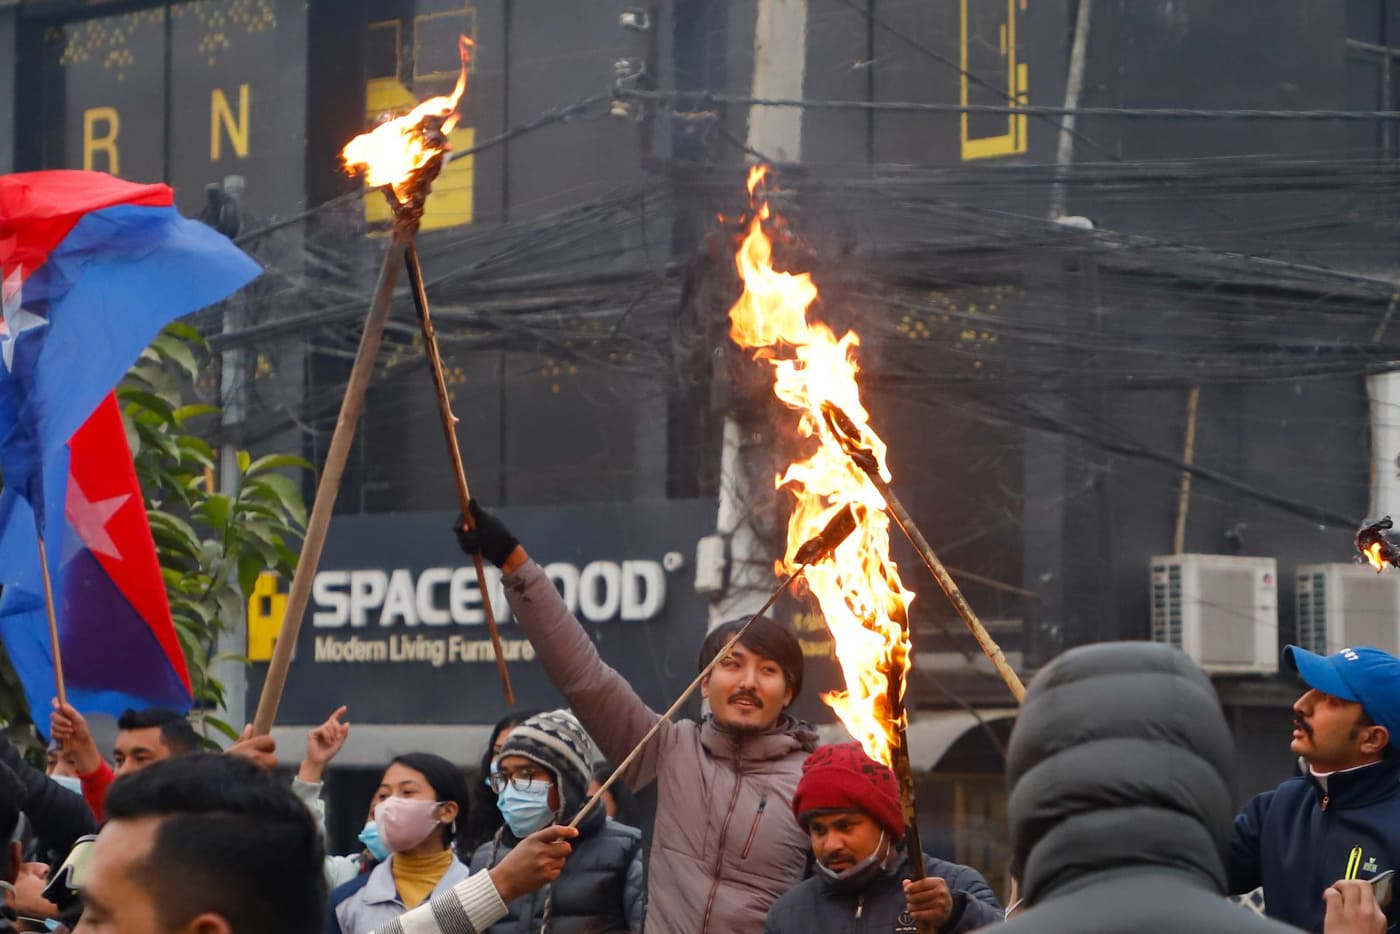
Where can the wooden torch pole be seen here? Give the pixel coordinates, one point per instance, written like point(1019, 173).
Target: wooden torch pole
point(849, 436)
point(904, 774)
point(454, 450)
point(351, 407)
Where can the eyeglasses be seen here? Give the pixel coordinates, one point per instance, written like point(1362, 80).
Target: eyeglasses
point(522, 778)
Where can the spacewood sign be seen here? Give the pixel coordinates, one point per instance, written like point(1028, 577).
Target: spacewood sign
point(396, 625)
point(598, 592)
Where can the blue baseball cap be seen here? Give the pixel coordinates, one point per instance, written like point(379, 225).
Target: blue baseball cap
point(1363, 675)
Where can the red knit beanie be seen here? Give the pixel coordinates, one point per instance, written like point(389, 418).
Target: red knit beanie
point(841, 777)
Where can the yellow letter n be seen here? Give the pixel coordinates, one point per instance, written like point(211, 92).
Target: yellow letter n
point(221, 113)
point(106, 143)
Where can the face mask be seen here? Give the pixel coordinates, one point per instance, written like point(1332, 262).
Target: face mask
point(403, 823)
point(69, 782)
point(370, 838)
point(526, 811)
point(857, 875)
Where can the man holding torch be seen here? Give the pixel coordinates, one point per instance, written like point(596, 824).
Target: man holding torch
point(725, 845)
point(849, 804)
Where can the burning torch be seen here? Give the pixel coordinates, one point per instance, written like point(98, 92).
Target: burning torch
point(862, 600)
point(1375, 545)
point(401, 156)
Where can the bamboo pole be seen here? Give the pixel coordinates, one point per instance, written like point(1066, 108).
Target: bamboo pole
point(328, 487)
point(1188, 457)
point(846, 433)
point(53, 622)
point(454, 451)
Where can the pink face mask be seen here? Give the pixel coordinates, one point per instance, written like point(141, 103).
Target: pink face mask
point(405, 822)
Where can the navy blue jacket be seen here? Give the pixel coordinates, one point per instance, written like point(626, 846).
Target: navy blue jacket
point(1295, 841)
point(816, 906)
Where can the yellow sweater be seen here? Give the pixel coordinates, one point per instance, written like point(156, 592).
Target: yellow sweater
point(415, 876)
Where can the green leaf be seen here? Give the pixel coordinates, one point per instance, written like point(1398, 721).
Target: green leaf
point(174, 534)
point(222, 726)
point(280, 492)
point(271, 461)
point(176, 350)
point(250, 566)
point(188, 334)
point(150, 401)
point(195, 449)
point(185, 413)
point(244, 460)
point(216, 510)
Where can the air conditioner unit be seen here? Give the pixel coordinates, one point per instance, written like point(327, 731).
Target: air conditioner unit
point(1221, 610)
point(1347, 604)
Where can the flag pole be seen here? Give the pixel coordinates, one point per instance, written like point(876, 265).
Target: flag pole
point(53, 620)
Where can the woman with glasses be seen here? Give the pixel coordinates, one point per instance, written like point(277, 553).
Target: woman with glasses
point(485, 818)
point(421, 802)
point(540, 778)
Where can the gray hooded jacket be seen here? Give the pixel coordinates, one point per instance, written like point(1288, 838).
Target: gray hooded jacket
point(725, 845)
point(1120, 805)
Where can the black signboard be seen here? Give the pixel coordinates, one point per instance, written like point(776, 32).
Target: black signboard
point(188, 93)
point(395, 627)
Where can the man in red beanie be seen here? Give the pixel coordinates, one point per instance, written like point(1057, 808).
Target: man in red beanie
point(849, 806)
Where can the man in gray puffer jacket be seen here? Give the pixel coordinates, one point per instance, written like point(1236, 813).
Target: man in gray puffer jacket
point(1120, 803)
point(725, 845)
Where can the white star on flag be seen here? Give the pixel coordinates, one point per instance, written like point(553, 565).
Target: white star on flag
point(89, 519)
point(17, 320)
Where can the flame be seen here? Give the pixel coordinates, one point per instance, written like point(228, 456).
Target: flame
point(391, 152)
point(1374, 554)
point(859, 590)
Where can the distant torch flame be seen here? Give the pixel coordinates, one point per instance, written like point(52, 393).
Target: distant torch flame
point(391, 152)
point(859, 590)
point(1374, 554)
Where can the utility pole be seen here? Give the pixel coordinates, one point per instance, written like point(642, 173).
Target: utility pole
point(779, 71)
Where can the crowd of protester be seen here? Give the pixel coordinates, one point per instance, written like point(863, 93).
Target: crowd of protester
point(1118, 773)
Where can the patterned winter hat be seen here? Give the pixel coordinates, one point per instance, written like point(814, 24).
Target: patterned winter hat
point(841, 777)
point(556, 741)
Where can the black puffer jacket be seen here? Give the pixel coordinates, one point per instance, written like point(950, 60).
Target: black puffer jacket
point(601, 889)
point(819, 907)
point(1120, 803)
point(58, 816)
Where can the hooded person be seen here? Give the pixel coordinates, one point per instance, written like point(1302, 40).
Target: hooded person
point(1119, 797)
point(541, 778)
point(849, 805)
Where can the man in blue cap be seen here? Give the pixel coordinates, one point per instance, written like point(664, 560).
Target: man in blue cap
point(1339, 819)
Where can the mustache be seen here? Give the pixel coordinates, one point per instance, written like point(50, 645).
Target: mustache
point(746, 695)
point(1300, 724)
point(839, 855)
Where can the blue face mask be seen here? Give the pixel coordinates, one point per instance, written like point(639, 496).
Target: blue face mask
point(69, 782)
point(370, 838)
point(526, 811)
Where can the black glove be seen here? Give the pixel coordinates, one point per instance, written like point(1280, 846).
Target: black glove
point(487, 536)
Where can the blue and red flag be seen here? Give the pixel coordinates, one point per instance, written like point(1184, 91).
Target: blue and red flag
point(91, 268)
point(118, 642)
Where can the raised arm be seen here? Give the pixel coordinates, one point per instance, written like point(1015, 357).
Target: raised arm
point(601, 698)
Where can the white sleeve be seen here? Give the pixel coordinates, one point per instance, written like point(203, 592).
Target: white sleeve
point(309, 794)
point(469, 907)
